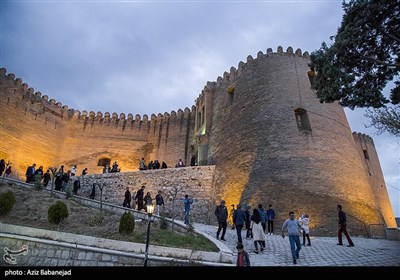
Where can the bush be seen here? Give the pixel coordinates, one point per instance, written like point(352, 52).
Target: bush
point(57, 212)
point(127, 223)
point(7, 201)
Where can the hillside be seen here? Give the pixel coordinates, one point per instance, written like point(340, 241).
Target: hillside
point(31, 206)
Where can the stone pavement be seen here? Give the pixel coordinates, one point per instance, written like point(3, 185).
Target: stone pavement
point(322, 252)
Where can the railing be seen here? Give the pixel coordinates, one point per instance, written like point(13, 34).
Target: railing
point(382, 226)
point(365, 225)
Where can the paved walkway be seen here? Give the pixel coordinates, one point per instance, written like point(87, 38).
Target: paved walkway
point(323, 252)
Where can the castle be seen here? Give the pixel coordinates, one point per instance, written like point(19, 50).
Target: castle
point(261, 126)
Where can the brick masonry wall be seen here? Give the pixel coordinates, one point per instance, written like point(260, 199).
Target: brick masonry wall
point(261, 155)
point(37, 130)
point(250, 135)
point(373, 169)
point(194, 181)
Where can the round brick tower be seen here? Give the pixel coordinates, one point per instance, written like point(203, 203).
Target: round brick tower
point(273, 142)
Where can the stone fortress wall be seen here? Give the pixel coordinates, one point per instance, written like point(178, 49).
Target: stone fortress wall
point(273, 142)
point(36, 129)
point(261, 125)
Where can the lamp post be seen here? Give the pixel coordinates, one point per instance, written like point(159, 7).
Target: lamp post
point(150, 211)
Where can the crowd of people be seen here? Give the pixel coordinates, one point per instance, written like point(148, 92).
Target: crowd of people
point(257, 223)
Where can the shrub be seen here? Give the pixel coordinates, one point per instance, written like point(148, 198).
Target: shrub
point(57, 212)
point(7, 201)
point(127, 223)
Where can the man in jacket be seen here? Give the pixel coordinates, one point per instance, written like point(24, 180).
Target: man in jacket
point(239, 217)
point(222, 214)
point(342, 227)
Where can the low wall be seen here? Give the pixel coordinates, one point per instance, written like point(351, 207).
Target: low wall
point(52, 248)
point(195, 181)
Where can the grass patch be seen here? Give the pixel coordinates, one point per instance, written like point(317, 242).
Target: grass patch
point(190, 241)
point(162, 237)
point(31, 207)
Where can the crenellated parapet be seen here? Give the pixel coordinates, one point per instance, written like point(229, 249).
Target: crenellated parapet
point(29, 100)
point(366, 138)
point(15, 86)
point(229, 78)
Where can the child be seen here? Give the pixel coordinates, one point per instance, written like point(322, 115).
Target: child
point(243, 258)
point(305, 221)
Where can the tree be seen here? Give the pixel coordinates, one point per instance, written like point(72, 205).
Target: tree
point(174, 193)
point(363, 58)
point(53, 175)
point(386, 119)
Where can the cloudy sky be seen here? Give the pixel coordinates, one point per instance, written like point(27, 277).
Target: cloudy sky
point(145, 57)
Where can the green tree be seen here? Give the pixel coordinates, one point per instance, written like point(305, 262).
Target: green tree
point(363, 57)
point(7, 201)
point(127, 223)
point(57, 213)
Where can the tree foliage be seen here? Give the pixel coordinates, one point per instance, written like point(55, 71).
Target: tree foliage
point(363, 57)
point(57, 212)
point(7, 201)
point(127, 223)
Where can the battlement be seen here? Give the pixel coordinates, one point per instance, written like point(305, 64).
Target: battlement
point(229, 79)
point(364, 137)
point(9, 82)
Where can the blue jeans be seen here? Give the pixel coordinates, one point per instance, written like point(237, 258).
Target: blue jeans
point(239, 233)
point(295, 239)
point(187, 214)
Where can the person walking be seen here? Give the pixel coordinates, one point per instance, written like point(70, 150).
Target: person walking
point(263, 215)
point(304, 223)
point(193, 161)
point(293, 228)
point(30, 171)
point(2, 166)
point(139, 198)
point(249, 234)
point(342, 227)
point(258, 232)
point(93, 193)
point(159, 202)
point(243, 258)
point(222, 214)
point(187, 202)
point(231, 211)
point(148, 200)
point(239, 217)
point(8, 171)
point(77, 186)
point(46, 178)
point(127, 198)
point(270, 219)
